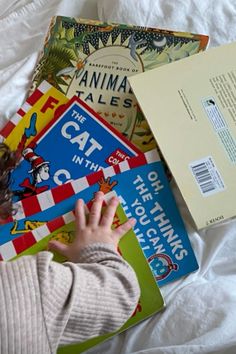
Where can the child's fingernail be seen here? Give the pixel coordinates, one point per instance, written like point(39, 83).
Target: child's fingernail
point(115, 200)
point(99, 194)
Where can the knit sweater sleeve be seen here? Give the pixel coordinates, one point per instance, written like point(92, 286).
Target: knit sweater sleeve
point(87, 299)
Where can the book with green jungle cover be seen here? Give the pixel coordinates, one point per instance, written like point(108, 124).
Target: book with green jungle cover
point(93, 60)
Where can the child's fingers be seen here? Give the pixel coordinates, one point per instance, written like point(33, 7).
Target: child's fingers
point(109, 213)
point(80, 218)
point(122, 229)
point(58, 247)
point(96, 208)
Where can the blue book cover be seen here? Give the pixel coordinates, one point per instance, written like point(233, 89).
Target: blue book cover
point(75, 144)
point(145, 194)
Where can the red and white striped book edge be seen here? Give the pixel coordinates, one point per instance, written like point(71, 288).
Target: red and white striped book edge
point(12, 248)
point(27, 105)
point(47, 199)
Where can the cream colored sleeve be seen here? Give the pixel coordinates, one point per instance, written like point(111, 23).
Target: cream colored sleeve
point(87, 299)
point(22, 324)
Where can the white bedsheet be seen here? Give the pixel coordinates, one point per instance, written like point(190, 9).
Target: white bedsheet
point(200, 316)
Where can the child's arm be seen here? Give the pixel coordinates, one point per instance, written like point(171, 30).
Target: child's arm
point(44, 303)
point(100, 292)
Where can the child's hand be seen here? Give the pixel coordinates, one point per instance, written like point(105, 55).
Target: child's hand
point(97, 228)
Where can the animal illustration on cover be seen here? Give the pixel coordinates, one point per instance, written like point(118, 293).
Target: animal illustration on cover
point(94, 60)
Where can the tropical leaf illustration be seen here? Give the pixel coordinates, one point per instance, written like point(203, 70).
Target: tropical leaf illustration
point(128, 123)
point(170, 54)
point(140, 133)
point(139, 118)
point(57, 59)
point(70, 34)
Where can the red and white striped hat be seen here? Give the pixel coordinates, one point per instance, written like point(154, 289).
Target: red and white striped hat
point(35, 160)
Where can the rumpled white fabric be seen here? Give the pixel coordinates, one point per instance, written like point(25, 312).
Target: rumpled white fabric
point(23, 26)
point(200, 314)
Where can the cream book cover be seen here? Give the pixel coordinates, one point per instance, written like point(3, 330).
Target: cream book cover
point(190, 106)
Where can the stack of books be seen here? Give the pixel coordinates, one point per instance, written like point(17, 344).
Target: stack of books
point(80, 131)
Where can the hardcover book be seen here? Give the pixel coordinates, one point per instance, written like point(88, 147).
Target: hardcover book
point(72, 145)
point(37, 111)
point(144, 192)
point(195, 128)
point(19, 115)
point(62, 229)
point(93, 60)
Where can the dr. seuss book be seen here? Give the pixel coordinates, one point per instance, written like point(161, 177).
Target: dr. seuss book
point(144, 192)
point(26, 106)
point(72, 145)
point(36, 112)
point(62, 228)
point(93, 60)
point(195, 126)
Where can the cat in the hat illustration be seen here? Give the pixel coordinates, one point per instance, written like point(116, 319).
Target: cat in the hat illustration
point(39, 167)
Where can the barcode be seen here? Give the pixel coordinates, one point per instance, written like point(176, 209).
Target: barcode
point(207, 176)
point(203, 177)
